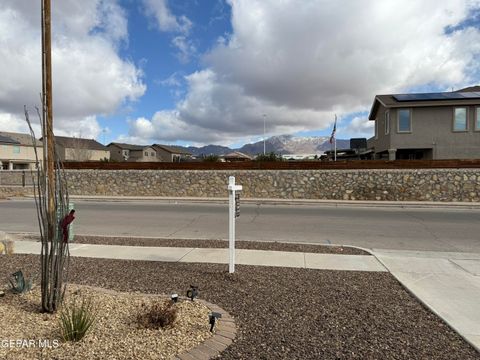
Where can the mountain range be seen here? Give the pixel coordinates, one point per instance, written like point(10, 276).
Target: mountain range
point(282, 144)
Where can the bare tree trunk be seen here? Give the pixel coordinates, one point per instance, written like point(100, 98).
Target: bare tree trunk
point(51, 195)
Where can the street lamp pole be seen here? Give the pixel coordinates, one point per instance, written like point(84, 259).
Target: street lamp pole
point(264, 117)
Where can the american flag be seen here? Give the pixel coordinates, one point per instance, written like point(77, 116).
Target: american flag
point(334, 130)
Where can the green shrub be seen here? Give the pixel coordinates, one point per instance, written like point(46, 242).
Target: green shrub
point(77, 319)
point(271, 156)
point(160, 314)
point(211, 158)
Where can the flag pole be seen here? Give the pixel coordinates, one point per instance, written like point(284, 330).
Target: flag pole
point(335, 149)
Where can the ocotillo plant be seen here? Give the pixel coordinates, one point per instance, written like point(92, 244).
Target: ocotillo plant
point(55, 253)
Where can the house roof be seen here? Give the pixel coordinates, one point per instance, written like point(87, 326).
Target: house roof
point(172, 149)
point(18, 138)
point(7, 140)
point(466, 96)
point(237, 155)
point(72, 142)
point(130, 147)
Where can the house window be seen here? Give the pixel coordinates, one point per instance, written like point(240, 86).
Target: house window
point(460, 119)
point(16, 149)
point(387, 122)
point(404, 120)
point(152, 154)
point(146, 153)
point(477, 119)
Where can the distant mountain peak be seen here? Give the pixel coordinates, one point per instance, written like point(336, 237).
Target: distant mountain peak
point(279, 144)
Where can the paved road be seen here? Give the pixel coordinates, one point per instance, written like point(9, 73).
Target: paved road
point(441, 229)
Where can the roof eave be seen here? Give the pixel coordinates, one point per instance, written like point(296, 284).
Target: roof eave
point(374, 109)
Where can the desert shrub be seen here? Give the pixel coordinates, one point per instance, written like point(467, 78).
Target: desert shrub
point(160, 314)
point(271, 156)
point(211, 158)
point(76, 319)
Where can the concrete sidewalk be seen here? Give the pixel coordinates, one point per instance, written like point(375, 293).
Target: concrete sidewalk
point(218, 256)
point(447, 283)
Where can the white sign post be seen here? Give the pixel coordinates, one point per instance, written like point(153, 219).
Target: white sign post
point(232, 214)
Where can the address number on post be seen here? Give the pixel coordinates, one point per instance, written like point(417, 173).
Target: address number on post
point(237, 205)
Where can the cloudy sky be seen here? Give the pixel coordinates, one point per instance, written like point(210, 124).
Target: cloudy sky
point(206, 71)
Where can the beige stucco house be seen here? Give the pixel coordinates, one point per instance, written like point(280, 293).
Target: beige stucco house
point(17, 151)
point(134, 153)
point(78, 149)
point(236, 156)
point(168, 153)
point(427, 126)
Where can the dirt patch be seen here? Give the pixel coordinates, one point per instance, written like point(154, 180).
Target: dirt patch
point(286, 313)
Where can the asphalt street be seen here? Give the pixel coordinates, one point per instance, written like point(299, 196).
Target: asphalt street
point(437, 229)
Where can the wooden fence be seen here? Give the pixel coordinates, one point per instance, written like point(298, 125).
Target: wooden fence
point(276, 165)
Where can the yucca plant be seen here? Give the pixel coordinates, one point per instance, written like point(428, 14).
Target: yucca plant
point(77, 319)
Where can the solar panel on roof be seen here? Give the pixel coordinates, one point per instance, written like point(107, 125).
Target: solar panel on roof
point(437, 96)
point(6, 139)
point(471, 95)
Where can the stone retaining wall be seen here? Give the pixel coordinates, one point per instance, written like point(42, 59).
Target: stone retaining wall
point(12, 191)
point(403, 185)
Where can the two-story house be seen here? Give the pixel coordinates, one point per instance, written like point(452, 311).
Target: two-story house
point(17, 151)
point(134, 153)
point(79, 149)
point(427, 126)
point(169, 153)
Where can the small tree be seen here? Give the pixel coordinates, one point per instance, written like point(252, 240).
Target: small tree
point(271, 156)
point(211, 158)
point(55, 254)
point(78, 151)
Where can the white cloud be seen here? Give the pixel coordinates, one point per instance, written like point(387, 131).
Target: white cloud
point(302, 62)
point(89, 77)
point(164, 19)
point(167, 22)
point(359, 126)
point(186, 48)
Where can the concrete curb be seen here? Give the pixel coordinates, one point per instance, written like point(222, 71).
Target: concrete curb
point(267, 201)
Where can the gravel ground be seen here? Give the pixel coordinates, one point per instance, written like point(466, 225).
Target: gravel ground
point(116, 333)
point(286, 313)
point(254, 245)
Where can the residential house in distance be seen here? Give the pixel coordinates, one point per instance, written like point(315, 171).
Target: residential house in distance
point(237, 156)
point(302, 156)
point(133, 153)
point(78, 149)
point(170, 153)
point(17, 151)
point(427, 126)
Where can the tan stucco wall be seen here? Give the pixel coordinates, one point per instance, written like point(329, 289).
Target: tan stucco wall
point(163, 155)
point(26, 154)
point(432, 128)
point(86, 154)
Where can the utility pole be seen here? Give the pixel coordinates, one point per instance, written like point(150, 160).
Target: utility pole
point(264, 118)
point(47, 110)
